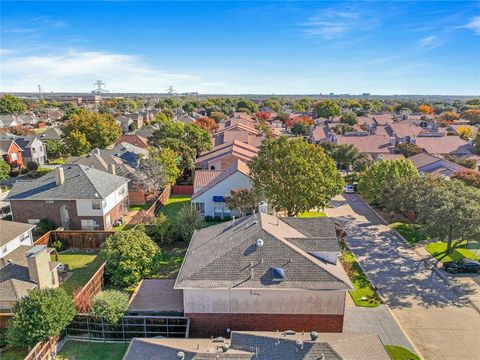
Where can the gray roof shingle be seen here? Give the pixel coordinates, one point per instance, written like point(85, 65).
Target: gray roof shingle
point(9, 230)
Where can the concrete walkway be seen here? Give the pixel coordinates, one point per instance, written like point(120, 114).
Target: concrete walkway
point(438, 317)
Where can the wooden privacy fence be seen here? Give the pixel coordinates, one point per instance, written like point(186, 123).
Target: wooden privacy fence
point(182, 189)
point(46, 350)
point(94, 285)
point(154, 209)
point(81, 239)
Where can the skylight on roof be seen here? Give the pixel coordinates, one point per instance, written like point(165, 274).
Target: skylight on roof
point(278, 274)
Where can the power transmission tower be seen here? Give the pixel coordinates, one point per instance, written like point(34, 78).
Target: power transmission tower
point(100, 87)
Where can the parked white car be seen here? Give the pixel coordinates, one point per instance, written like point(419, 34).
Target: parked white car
point(349, 189)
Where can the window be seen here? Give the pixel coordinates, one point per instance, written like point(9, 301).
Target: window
point(89, 224)
point(122, 190)
point(4, 249)
point(278, 274)
point(41, 148)
point(217, 212)
point(200, 207)
point(14, 156)
point(226, 212)
point(96, 204)
point(33, 150)
point(33, 221)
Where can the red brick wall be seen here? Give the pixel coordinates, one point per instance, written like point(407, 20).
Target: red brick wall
point(207, 325)
point(136, 197)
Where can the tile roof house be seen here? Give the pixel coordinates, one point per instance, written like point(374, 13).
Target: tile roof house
point(263, 273)
point(262, 346)
point(212, 186)
point(73, 197)
point(222, 156)
point(429, 164)
point(22, 266)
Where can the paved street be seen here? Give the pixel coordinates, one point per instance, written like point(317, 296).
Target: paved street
point(438, 318)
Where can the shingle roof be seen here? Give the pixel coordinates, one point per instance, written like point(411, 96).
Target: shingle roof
point(9, 230)
point(423, 159)
point(221, 256)
point(14, 277)
point(81, 182)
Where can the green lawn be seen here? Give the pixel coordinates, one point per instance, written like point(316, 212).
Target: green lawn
point(363, 287)
point(311, 214)
point(56, 161)
point(400, 353)
point(139, 207)
point(462, 250)
point(172, 258)
point(83, 265)
point(173, 206)
point(411, 232)
point(14, 354)
point(78, 350)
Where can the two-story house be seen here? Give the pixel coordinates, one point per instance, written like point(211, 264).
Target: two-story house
point(72, 196)
point(11, 153)
point(33, 149)
point(22, 266)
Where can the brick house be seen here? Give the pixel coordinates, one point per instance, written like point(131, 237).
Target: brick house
point(263, 273)
point(22, 266)
point(73, 196)
point(11, 153)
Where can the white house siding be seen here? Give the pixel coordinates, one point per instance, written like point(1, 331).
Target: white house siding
point(16, 242)
point(237, 180)
point(262, 301)
point(84, 206)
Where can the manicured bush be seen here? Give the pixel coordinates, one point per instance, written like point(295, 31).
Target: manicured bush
point(110, 304)
point(161, 230)
point(32, 166)
point(39, 316)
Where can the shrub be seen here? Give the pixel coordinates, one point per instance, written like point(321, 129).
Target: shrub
point(161, 230)
point(408, 149)
point(39, 316)
point(188, 221)
point(58, 245)
point(131, 255)
point(44, 226)
point(110, 304)
point(83, 302)
point(32, 166)
point(208, 218)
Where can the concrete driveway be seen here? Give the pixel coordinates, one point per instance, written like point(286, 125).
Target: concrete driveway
point(438, 318)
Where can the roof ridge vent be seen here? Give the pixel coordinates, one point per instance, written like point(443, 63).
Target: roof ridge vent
point(259, 243)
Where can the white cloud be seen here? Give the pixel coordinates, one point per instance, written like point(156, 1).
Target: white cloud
point(331, 23)
point(76, 70)
point(473, 25)
point(429, 42)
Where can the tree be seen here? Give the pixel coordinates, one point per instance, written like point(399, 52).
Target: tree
point(341, 129)
point(476, 144)
point(465, 132)
point(425, 109)
point(272, 104)
point(304, 119)
point(218, 116)
point(4, 170)
point(32, 166)
point(449, 116)
point(301, 129)
point(468, 163)
point(295, 176)
point(346, 155)
point(157, 170)
point(383, 174)
point(327, 109)
point(242, 200)
point(471, 178)
point(76, 143)
point(246, 105)
point(263, 115)
point(55, 148)
point(131, 255)
point(100, 130)
point(72, 111)
point(40, 315)
point(188, 220)
point(161, 230)
point(10, 104)
point(349, 118)
point(207, 124)
point(472, 115)
point(408, 149)
point(110, 304)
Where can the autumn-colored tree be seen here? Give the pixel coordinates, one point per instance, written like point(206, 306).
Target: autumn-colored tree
point(469, 177)
point(425, 109)
point(307, 120)
point(472, 115)
point(21, 130)
point(242, 200)
point(207, 123)
point(264, 115)
point(449, 116)
point(465, 132)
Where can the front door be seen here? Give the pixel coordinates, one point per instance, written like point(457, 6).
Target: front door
point(65, 218)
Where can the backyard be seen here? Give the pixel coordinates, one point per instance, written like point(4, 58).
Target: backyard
point(172, 258)
point(469, 250)
point(77, 350)
point(83, 264)
point(173, 206)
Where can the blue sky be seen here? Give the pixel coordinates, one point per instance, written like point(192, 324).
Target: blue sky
point(404, 47)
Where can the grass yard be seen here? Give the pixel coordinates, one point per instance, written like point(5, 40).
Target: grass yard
point(60, 161)
point(138, 207)
point(83, 265)
point(15, 353)
point(311, 214)
point(400, 353)
point(411, 232)
point(173, 206)
point(463, 250)
point(363, 287)
point(79, 350)
point(172, 258)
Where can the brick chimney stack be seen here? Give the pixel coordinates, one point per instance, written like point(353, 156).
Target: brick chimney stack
point(111, 169)
point(38, 259)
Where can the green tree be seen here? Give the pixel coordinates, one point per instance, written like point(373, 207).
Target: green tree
point(100, 130)
point(161, 230)
point(242, 200)
point(218, 116)
point(110, 304)
point(72, 111)
point(349, 118)
point(272, 104)
point(346, 155)
point(188, 220)
point(384, 174)
point(408, 149)
point(10, 104)
point(472, 115)
point(295, 176)
point(76, 143)
point(246, 105)
point(469, 177)
point(157, 170)
point(40, 315)
point(55, 148)
point(301, 129)
point(131, 255)
point(4, 170)
point(326, 109)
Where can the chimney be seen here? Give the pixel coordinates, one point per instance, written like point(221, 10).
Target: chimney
point(59, 176)
point(38, 260)
point(111, 169)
